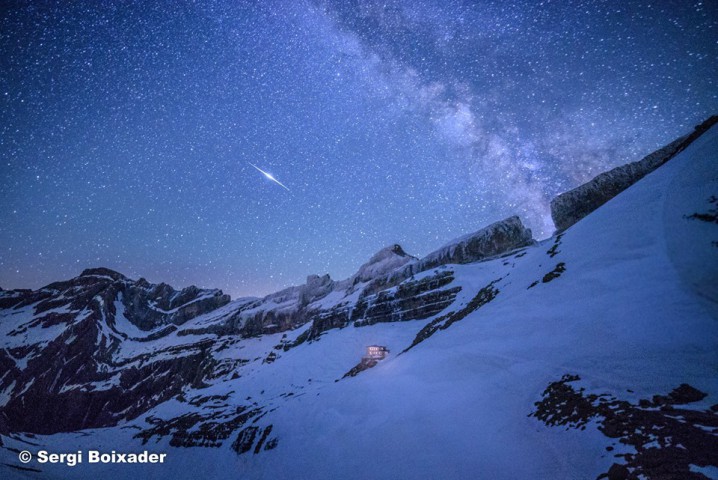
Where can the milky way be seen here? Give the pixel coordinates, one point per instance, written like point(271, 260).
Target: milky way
point(128, 127)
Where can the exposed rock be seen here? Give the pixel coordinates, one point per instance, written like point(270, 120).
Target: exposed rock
point(271, 444)
point(151, 306)
point(616, 472)
point(711, 216)
point(484, 296)
point(291, 307)
point(77, 381)
point(245, 440)
point(412, 300)
point(264, 436)
point(364, 364)
point(570, 207)
point(496, 239)
point(384, 261)
point(390, 267)
point(271, 357)
point(73, 381)
point(102, 272)
point(681, 395)
point(555, 273)
point(492, 241)
point(197, 430)
point(553, 251)
point(667, 440)
point(266, 317)
point(315, 289)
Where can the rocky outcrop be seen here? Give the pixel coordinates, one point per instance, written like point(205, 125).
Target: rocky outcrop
point(316, 288)
point(206, 430)
point(570, 207)
point(385, 261)
point(412, 300)
point(72, 382)
point(667, 440)
point(149, 306)
point(297, 305)
point(364, 364)
point(496, 239)
point(484, 296)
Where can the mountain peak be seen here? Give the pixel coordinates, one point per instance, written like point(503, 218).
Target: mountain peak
point(102, 272)
point(382, 262)
point(387, 252)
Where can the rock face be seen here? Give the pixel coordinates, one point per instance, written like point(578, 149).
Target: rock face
point(411, 300)
point(484, 296)
point(384, 261)
point(151, 306)
point(570, 207)
point(496, 239)
point(74, 379)
point(666, 445)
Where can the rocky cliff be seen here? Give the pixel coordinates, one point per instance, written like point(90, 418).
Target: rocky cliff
point(570, 207)
point(496, 239)
point(61, 350)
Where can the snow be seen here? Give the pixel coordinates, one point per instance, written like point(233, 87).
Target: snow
point(631, 311)
point(206, 295)
point(101, 277)
point(340, 296)
point(384, 261)
point(5, 394)
point(15, 329)
point(710, 471)
point(124, 326)
point(456, 242)
point(218, 315)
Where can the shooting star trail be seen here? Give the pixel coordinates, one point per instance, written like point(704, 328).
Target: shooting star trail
point(269, 176)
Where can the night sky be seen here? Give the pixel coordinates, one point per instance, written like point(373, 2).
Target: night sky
point(129, 128)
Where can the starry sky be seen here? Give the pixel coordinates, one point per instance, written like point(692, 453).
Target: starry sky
point(128, 127)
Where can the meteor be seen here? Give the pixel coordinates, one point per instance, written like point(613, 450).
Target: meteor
point(269, 176)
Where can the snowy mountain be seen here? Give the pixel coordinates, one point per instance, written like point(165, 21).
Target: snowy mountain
point(591, 353)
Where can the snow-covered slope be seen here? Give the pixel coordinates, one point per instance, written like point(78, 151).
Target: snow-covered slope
point(486, 385)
